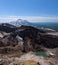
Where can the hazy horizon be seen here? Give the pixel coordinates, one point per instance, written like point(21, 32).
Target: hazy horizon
point(31, 10)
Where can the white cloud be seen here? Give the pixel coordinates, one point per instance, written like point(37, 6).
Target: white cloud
point(29, 18)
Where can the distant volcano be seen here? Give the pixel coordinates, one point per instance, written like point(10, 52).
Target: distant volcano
point(20, 22)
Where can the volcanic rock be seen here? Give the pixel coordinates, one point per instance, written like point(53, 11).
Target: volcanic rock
point(28, 38)
point(7, 28)
point(35, 39)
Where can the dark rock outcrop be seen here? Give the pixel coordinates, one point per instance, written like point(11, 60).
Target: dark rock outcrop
point(48, 41)
point(7, 28)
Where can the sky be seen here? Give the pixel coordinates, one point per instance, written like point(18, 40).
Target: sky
point(31, 10)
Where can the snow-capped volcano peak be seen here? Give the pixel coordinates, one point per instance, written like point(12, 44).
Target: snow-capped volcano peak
point(20, 22)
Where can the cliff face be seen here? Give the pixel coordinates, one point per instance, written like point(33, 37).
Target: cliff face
point(29, 38)
point(49, 41)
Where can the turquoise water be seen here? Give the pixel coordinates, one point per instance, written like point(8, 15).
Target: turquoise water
point(41, 54)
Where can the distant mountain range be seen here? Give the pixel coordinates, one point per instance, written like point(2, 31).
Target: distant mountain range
point(47, 25)
point(50, 26)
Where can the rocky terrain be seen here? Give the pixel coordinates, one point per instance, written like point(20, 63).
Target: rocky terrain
point(19, 45)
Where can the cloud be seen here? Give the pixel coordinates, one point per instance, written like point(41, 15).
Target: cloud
point(29, 18)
